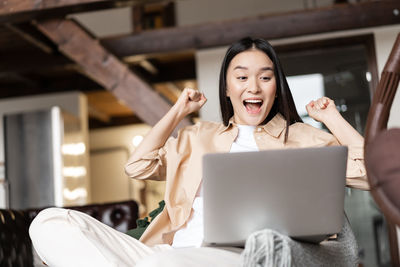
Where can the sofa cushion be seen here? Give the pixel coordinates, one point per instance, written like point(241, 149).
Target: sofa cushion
point(16, 246)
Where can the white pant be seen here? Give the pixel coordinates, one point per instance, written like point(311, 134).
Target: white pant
point(68, 238)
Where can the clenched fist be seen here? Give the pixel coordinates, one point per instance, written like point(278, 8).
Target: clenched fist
point(322, 109)
point(190, 101)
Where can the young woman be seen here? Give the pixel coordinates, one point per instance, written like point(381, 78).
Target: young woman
point(258, 113)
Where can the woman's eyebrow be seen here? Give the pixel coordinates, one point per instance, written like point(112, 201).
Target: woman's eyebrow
point(240, 67)
point(267, 68)
point(245, 68)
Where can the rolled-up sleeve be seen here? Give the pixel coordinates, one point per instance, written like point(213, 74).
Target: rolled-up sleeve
point(356, 173)
point(150, 166)
point(153, 165)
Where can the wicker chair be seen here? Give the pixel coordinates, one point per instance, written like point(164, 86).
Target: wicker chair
point(382, 149)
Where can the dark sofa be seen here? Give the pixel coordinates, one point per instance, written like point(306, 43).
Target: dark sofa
point(16, 246)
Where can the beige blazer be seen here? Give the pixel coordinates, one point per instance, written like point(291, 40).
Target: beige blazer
point(179, 162)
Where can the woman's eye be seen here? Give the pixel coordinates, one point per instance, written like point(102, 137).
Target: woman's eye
point(242, 78)
point(265, 78)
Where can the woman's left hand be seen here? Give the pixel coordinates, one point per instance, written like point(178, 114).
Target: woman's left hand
point(322, 109)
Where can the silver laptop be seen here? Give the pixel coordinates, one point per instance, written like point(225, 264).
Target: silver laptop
point(297, 192)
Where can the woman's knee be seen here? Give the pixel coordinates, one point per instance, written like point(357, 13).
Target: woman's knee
point(191, 257)
point(158, 259)
point(43, 219)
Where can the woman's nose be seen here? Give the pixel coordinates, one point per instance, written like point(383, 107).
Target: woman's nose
point(253, 86)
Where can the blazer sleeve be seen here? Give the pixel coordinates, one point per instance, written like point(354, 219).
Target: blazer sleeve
point(150, 166)
point(153, 165)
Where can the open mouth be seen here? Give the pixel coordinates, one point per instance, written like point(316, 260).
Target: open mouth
point(253, 106)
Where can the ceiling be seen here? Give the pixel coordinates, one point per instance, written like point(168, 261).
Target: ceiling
point(31, 64)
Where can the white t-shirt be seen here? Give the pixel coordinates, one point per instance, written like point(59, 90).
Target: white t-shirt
point(192, 234)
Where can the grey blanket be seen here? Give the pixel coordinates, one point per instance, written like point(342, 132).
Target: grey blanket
point(271, 249)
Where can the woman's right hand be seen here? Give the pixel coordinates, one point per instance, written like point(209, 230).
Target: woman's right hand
point(190, 101)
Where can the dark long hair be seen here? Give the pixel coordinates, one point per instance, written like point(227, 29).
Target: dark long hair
point(283, 104)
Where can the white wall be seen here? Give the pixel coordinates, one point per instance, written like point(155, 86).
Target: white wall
point(208, 64)
point(72, 102)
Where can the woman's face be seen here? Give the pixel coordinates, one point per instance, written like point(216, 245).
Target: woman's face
point(251, 86)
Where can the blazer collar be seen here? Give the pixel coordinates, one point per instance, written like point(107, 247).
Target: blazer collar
point(274, 127)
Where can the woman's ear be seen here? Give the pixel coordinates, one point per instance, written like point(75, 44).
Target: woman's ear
point(227, 92)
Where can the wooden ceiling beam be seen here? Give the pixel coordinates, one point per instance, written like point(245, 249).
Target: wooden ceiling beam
point(106, 69)
point(169, 71)
point(14, 84)
point(12, 11)
point(20, 62)
point(115, 121)
point(10, 79)
point(24, 30)
point(70, 82)
point(336, 18)
point(99, 115)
